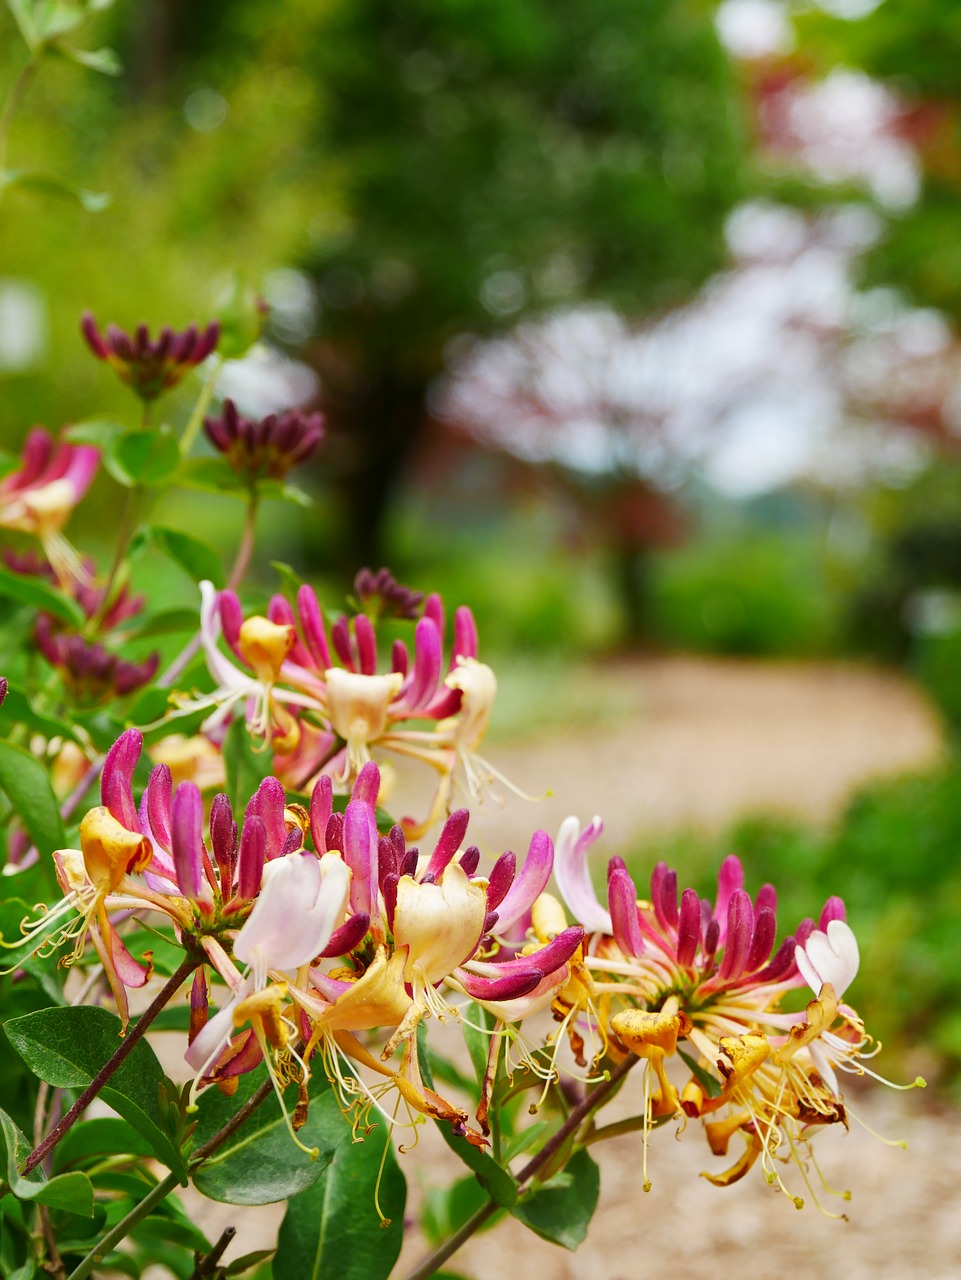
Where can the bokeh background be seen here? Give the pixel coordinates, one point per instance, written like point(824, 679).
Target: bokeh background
point(636, 328)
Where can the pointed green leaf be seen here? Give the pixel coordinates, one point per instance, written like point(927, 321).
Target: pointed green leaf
point(333, 1228)
point(28, 789)
point(18, 710)
point(193, 556)
point(72, 1192)
point(260, 1163)
point(561, 1212)
point(26, 589)
point(67, 1047)
point(147, 458)
point(96, 431)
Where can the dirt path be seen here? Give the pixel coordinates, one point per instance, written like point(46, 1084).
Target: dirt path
point(706, 741)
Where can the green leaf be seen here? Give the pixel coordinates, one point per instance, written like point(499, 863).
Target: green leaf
point(97, 1138)
point(333, 1228)
point(193, 556)
point(281, 491)
point(449, 1207)
point(246, 768)
point(48, 185)
point(145, 458)
point(103, 60)
point(212, 475)
point(67, 1047)
point(708, 1083)
point(167, 622)
point(71, 1192)
point(497, 1182)
point(18, 710)
point(260, 1163)
point(26, 589)
point(100, 432)
point(563, 1213)
point(28, 789)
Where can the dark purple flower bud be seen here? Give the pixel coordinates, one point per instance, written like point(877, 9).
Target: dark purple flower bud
point(408, 864)
point(268, 804)
point(489, 921)
point(366, 644)
point(712, 936)
point(3, 689)
point(199, 1004)
point(340, 638)
point(253, 855)
point(470, 860)
point(268, 448)
point(449, 841)
point(344, 939)
point(513, 985)
point(150, 368)
point(223, 840)
point(781, 966)
point(804, 931)
point(501, 877)
point(334, 835)
point(389, 890)
point(382, 596)
point(293, 841)
point(558, 951)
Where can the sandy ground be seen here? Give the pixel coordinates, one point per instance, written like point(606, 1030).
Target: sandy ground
point(715, 739)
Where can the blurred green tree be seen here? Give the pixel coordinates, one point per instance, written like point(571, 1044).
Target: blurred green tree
point(499, 157)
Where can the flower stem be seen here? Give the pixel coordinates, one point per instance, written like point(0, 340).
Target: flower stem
point(170, 989)
point(233, 1124)
point(241, 561)
point(128, 523)
point(124, 1226)
point(195, 421)
point(531, 1170)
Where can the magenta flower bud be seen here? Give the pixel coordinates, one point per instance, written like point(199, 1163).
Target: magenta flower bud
point(465, 635)
point(188, 841)
point(834, 909)
point(427, 665)
point(622, 901)
point(360, 854)
point(434, 609)
point(766, 897)
point(510, 986)
point(293, 842)
point(312, 627)
point(737, 944)
point(231, 619)
point(280, 613)
point(388, 863)
point(729, 879)
point(223, 840)
point(321, 807)
point(530, 881)
point(116, 780)
point(349, 935)
point(268, 803)
point(366, 644)
point(399, 657)
point(253, 855)
point(500, 880)
point(712, 938)
point(558, 951)
point(408, 864)
point(449, 841)
point(803, 931)
point(664, 896)
point(156, 803)
point(688, 927)
point(765, 931)
point(340, 638)
point(367, 787)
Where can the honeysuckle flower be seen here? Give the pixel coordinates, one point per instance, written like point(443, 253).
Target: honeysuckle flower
point(148, 367)
point(572, 876)
point(268, 448)
point(380, 595)
point(263, 646)
point(40, 497)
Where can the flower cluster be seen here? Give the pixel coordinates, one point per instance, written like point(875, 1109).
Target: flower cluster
point(269, 448)
point(324, 942)
point(322, 703)
point(148, 367)
point(686, 979)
